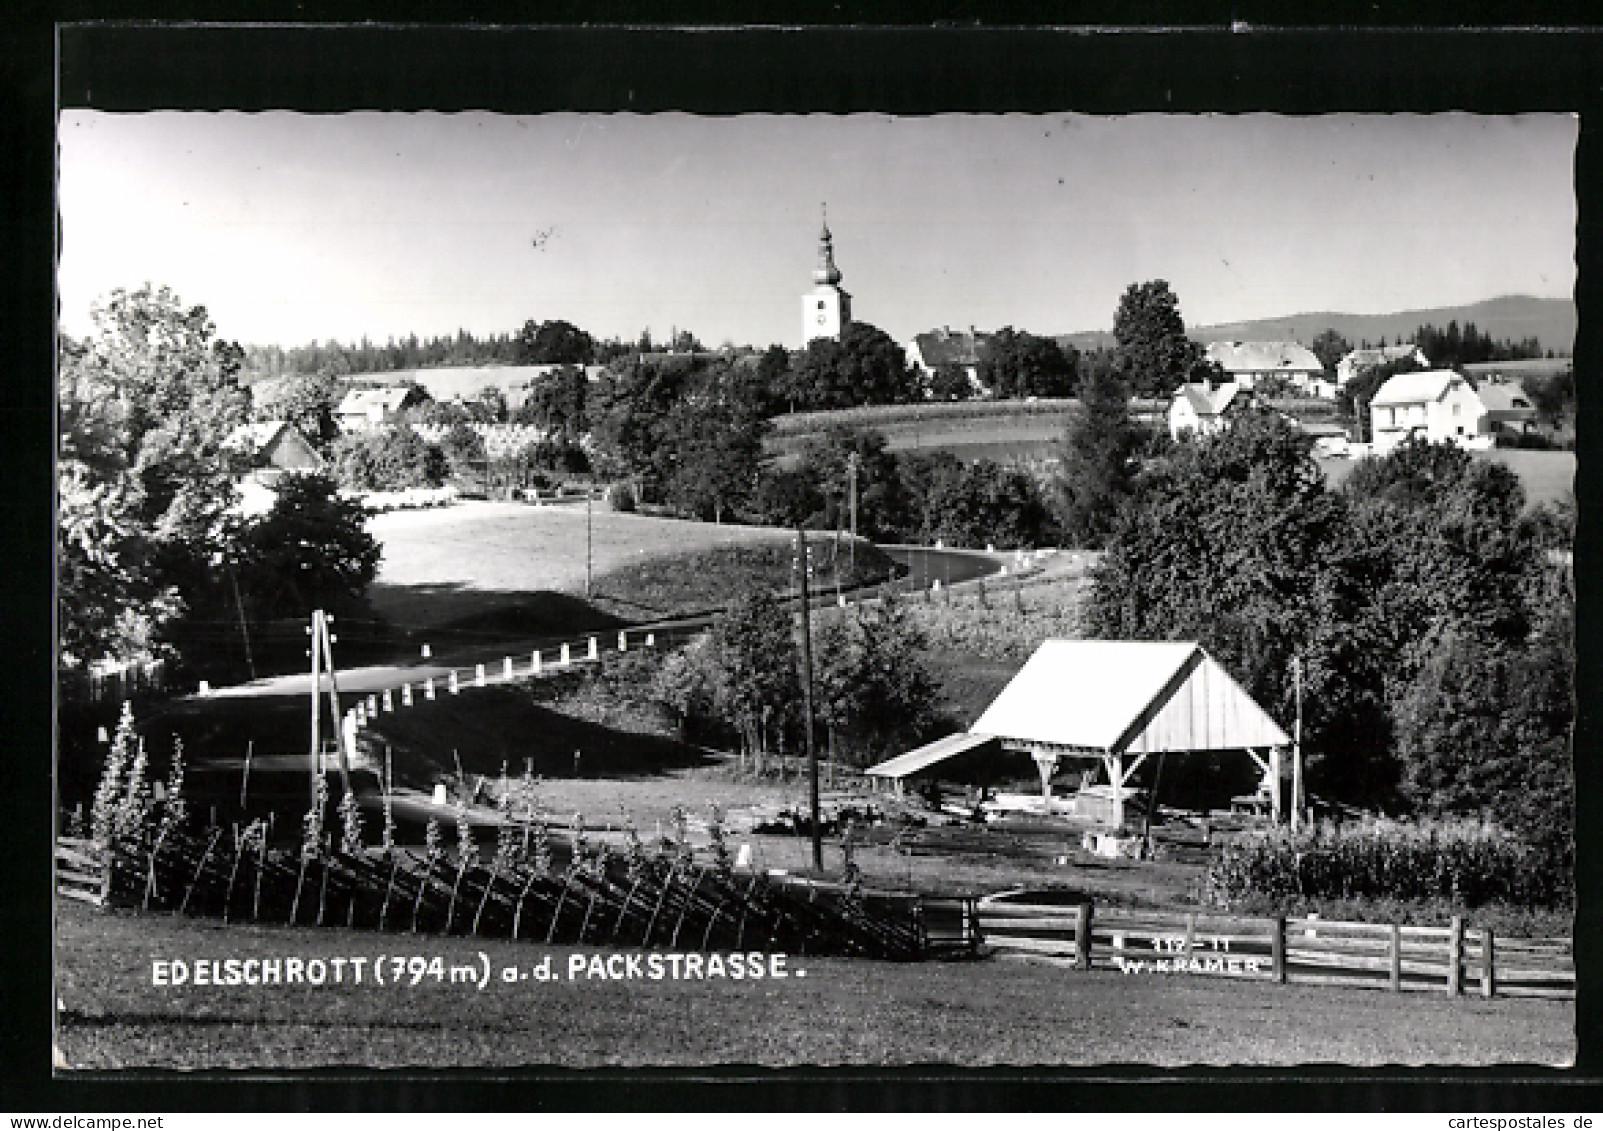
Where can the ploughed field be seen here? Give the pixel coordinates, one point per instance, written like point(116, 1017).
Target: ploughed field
point(826, 1012)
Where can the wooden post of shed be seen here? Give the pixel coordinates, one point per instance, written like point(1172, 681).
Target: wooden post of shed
point(1082, 936)
point(1488, 963)
point(1396, 958)
point(1277, 947)
point(1455, 957)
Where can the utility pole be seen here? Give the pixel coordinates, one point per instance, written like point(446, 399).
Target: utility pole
point(1296, 747)
point(807, 700)
point(851, 473)
point(316, 633)
point(589, 498)
point(334, 705)
point(244, 630)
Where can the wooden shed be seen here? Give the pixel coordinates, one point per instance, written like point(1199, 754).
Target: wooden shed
point(1117, 703)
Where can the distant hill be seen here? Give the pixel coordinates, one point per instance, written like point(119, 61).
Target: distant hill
point(1551, 321)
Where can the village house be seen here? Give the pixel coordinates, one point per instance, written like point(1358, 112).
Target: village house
point(952, 349)
point(1199, 409)
point(365, 409)
point(1509, 410)
point(1436, 405)
point(275, 446)
point(1356, 361)
point(1250, 364)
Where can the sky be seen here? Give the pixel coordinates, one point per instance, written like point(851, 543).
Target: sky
point(291, 228)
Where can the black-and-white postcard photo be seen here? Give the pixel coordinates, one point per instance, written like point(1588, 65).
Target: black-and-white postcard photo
point(571, 588)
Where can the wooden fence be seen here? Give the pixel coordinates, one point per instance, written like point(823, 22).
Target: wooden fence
point(1455, 960)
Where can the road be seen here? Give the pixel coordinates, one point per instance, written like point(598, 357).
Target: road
point(925, 565)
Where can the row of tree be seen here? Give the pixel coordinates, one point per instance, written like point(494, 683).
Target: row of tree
point(741, 682)
point(1432, 615)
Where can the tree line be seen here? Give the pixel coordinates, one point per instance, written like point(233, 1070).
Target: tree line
point(1431, 614)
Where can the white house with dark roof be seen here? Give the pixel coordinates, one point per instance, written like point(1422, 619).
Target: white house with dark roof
point(1199, 409)
point(1434, 404)
point(1249, 363)
point(1356, 361)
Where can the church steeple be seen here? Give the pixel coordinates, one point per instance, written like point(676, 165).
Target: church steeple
point(826, 272)
point(826, 310)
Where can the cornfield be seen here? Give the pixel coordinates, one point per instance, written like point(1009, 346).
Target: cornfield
point(1466, 863)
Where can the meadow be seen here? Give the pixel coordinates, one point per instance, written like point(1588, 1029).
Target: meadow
point(1024, 430)
point(479, 563)
point(828, 1012)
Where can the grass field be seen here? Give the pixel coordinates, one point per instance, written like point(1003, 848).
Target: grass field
point(1546, 476)
point(1015, 430)
point(841, 1012)
point(511, 566)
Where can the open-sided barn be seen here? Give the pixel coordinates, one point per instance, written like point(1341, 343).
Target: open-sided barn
point(1114, 703)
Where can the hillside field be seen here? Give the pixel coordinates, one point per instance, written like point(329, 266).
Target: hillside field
point(1022, 430)
point(480, 563)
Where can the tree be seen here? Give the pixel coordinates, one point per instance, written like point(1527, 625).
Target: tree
point(1014, 363)
point(873, 691)
point(716, 453)
point(865, 366)
point(389, 459)
point(556, 402)
point(982, 503)
point(1154, 354)
point(786, 497)
point(758, 682)
point(310, 550)
point(1097, 460)
point(554, 343)
point(1233, 541)
point(308, 401)
point(950, 383)
point(145, 474)
point(1330, 347)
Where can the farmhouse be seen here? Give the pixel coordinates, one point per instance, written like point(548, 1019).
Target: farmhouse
point(1249, 364)
point(1356, 361)
point(1113, 703)
point(1199, 409)
point(275, 445)
point(1435, 404)
point(953, 349)
point(374, 407)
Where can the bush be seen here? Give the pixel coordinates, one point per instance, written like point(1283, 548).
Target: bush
point(1469, 864)
point(621, 496)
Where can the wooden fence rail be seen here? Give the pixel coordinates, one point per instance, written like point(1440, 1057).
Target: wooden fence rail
point(1453, 960)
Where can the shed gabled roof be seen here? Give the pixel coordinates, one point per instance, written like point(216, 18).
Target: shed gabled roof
point(906, 765)
point(1126, 696)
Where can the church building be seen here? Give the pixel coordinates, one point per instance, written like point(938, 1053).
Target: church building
point(826, 309)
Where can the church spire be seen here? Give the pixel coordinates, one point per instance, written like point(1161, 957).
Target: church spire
point(826, 271)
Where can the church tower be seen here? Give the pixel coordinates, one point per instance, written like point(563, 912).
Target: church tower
point(826, 309)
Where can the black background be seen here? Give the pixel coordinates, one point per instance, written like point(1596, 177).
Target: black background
point(895, 59)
